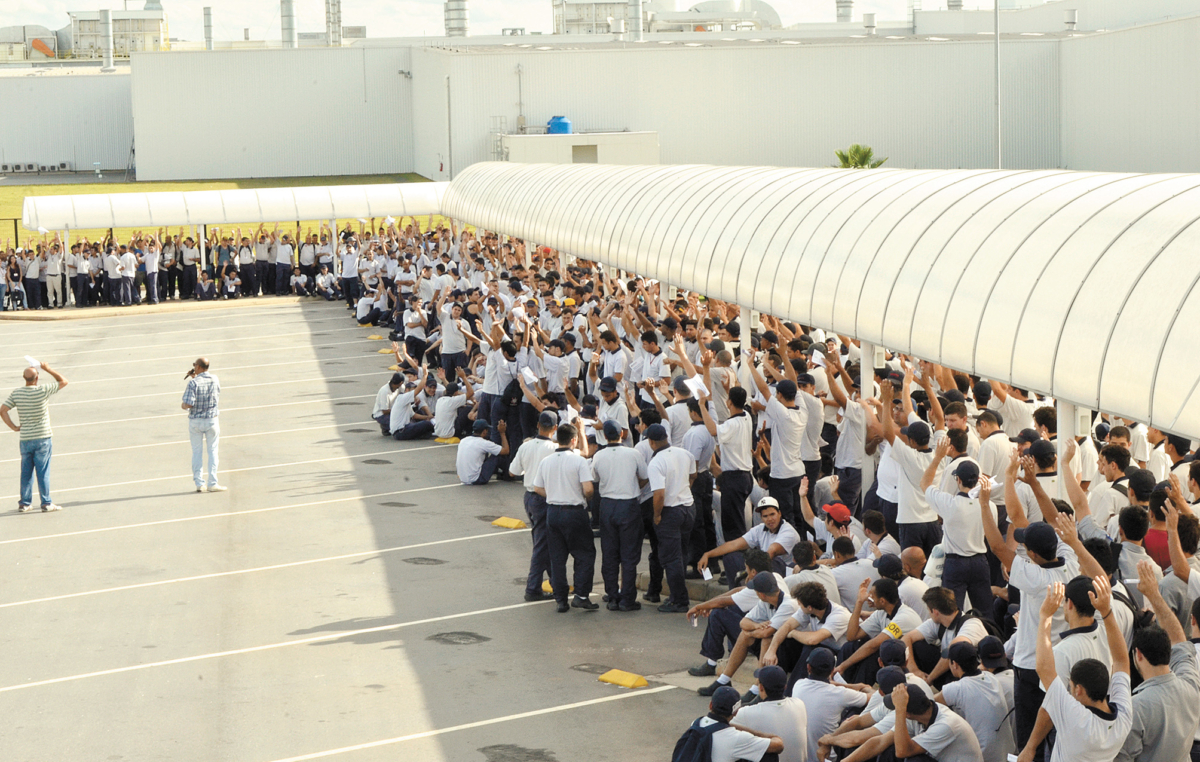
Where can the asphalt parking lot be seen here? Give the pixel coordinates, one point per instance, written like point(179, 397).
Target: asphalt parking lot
point(345, 599)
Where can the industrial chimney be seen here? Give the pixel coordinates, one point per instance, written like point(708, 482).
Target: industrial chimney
point(845, 8)
point(106, 39)
point(333, 23)
point(635, 20)
point(954, 5)
point(153, 5)
point(869, 23)
point(208, 28)
point(287, 18)
point(457, 18)
point(1071, 19)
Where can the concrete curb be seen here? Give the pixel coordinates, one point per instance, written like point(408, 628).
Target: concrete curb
point(85, 313)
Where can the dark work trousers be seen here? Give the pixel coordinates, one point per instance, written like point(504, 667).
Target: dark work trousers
point(787, 493)
point(675, 524)
point(829, 433)
point(793, 658)
point(112, 291)
point(849, 490)
point(724, 627)
point(924, 534)
point(735, 489)
point(152, 287)
point(704, 531)
point(539, 561)
point(593, 507)
point(926, 655)
point(171, 286)
point(812, 470)
point(864, 671)
point(384, 420)
point(453, 360)
point(283, 277)
point(890, 511)
point(81, 290)
point(462, 422)
point(487, 470)
point(264, 276)
point(187, 282)
point(969, 575)
point(127, 290)
point(1027, 699)
point(654, 586)
point(529, 418)
point(350, 290)
point(414, 430)
point(416, 349)
point(310, 277)
point(249, 277)
point(889, 755)
point(569, 533)
point(620, 547)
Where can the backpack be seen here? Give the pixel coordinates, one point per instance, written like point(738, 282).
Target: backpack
point(695, 745)
point(512, 394)
point(1141, 618)
point(987, 623)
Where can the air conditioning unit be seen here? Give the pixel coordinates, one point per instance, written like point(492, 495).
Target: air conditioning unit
point(31, 167)
point(65, 166)
point(18, 168)
point(43, 168)
point(6, 168)
point(50, 168)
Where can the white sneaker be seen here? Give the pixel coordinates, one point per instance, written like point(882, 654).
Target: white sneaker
point(22, 508)
point(51, 507)
point(216, 488)
point(200, 489)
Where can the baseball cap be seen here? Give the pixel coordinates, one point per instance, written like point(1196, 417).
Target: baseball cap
point(656, 433)
point(568, 302)
point(767, 502)
point(715, 345)
point(1028, 436)
point(479, 426)
point(786, 389)
point(966, 470)
point(805, 379)
point(889, 677)
point(612, 430)
point(765, 584)
point(889, 565)
point(917, 431)
point(671, 323)
point(918, 702)
point(963, 654)
point(724, 699)
point(1141, 483)
point(838, 512)
point(820, 661)
point(773, 679)
point(982, 391)
point(608, 384)
point(893, 653)
point(991, 653)
point(1040, 538)
point(1042, 449)
point(547, 420)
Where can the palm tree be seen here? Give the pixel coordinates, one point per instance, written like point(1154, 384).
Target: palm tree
point(858, 157)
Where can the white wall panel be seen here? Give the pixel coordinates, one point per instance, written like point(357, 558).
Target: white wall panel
point(80, 119)
point(1131, 99)
point(272, 113)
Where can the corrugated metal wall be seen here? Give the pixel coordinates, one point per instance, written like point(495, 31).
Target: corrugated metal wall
point(54, 118)
point(1131, 99)
point(920, 104)
point(272, 113)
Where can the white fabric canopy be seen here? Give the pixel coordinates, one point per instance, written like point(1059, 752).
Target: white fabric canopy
point(1078, 285)
point(227, 207)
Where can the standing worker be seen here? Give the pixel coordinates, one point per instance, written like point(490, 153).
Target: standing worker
point(200, 400)
point(564, 478)
point(620, 473)
point(671, 471)
point(32, 404)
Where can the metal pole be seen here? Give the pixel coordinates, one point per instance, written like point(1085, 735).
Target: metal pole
point(866, 384)
point(747, 347)
point(996, 21)
point(335, 270)
point(1066, 432)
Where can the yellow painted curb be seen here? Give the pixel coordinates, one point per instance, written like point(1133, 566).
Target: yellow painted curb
point(386, 352)
point(375, 336)
point(508, 523)
point(623, 679)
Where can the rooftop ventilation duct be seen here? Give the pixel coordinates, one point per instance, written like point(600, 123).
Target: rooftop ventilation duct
point(458, 21)
point(845, 8)
point(287, 19)
point(208, 38)
point(106, 39)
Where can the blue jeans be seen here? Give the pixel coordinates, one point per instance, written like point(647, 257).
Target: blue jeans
point(204, 431)
point(35, 457)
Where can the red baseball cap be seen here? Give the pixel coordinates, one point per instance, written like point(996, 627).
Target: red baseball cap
point(838, 512)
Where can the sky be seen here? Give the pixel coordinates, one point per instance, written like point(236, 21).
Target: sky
point(384, 18)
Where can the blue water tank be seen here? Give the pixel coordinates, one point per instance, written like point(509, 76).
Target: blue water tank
point(558, 125)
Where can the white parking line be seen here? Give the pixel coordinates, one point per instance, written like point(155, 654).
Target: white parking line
point(42, 327)
point(478, 724)
point(224, 369)
point(236, 470)
point(201, 342)
point(141, 335)
point(58, 455)
point(237, 572)
point(218, 355)
point(224, 515)
point(179, 393)
point(269, 646)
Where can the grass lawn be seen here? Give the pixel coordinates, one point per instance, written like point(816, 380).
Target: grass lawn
point(12, 197)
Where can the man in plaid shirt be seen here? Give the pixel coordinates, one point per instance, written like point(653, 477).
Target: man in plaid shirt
point(200, 400)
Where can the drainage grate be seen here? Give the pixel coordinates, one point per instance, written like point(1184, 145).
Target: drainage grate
point(377, 462)
point(512, 753)
point(459, 638)
point(358, 431)
point(341, 381)
point(591, 669)
point(488, 519)
point(348, 403)
point(397, 504)
point(421, 561)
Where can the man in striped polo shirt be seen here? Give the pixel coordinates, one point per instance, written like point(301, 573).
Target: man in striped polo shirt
point(31, 402)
